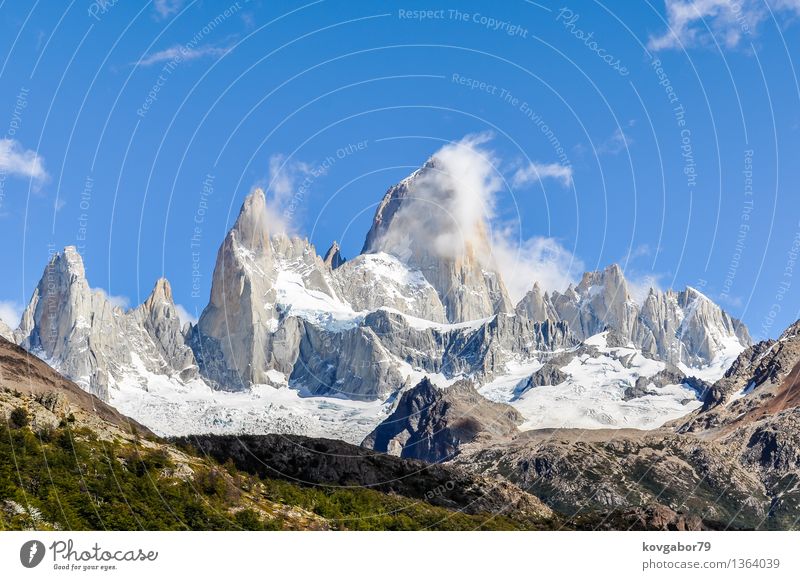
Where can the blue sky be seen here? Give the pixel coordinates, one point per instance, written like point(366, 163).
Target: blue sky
point(663, 136)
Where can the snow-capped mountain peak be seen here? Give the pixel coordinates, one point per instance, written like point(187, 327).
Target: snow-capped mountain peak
point(346, 337)
point(423, 222)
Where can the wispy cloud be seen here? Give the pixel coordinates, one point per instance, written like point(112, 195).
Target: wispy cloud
point(10, 312)
point(180, 53)
point(184, 315)
point(166, 8)
point(692, 22)
point(452, 208)
point(534, 172)
point(117, 301)
point(16, 160)
point(540, 259)
point(286, 187)
point(618, 142)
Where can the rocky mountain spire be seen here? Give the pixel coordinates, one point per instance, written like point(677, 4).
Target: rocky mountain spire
point(251, 229)
point(678, 327)
point(687, 327)
point(237, 339)
point(420, 222)
point(71, 326)
point(158, 316)
point(333, 257)
point(536, 305)
point(95, 343)
point(602, 299)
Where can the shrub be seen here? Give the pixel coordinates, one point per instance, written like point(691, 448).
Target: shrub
point(19, 418)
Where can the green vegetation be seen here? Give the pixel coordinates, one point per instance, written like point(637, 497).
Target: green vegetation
point(67, 478)
point(19, 418)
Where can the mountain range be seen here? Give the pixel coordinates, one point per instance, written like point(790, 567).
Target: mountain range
point(614, 412)
point(294, 342)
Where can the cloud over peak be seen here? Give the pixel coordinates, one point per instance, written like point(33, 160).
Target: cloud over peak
point(450, 209)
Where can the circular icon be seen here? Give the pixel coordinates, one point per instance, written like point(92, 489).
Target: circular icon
point(31, 553)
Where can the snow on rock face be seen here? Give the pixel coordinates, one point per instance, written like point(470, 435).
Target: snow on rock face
point(601, 387)
point(79, 332)
point(689, 329)
point(380, 280)
point(173, 409)
point(683, 328)
point(256, 277)
point(158, 316)
point(421, 221)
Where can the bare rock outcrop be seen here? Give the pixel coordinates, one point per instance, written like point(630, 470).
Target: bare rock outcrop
point(431, 423)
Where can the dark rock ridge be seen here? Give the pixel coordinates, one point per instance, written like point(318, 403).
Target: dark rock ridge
point(327, 462)
point(431, 423)
point(549, 374)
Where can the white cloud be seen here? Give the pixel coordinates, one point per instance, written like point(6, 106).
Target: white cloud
point(640, 284)
point(11, 312)
point(618, 142)
point(288, 185)
point(16, 160)
point(166, 8)
point(118, 301)
point(179, 53)
point(450, 203)
point(538, 259)
point(535, 172)
point(185, 315)
point(692, 22)
point(451, 208)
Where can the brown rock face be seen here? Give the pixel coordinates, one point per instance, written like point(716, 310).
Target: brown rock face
point(21, 371)
point(431, 423)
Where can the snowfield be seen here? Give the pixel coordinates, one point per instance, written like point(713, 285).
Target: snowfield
point(592, 396)
point(170, 408)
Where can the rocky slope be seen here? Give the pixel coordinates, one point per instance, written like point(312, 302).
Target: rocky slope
point(56, 397)
point(333, 463)
point(734, 462)
point(77, 463)
point(431, 423)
